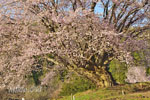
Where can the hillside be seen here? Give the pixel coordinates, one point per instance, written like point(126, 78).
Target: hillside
point(138, 91)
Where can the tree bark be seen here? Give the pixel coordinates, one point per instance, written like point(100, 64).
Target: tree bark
point(100, 76)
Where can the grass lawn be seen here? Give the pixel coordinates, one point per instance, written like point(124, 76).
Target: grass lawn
point(138, 91)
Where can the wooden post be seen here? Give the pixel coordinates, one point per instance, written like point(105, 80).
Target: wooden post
point(73, 97)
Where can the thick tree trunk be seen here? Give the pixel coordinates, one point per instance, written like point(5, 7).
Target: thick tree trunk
point(99, 76)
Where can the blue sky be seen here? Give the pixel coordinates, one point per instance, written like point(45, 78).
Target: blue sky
point(98, 8)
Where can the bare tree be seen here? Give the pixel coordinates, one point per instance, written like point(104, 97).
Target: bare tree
point(123, 14)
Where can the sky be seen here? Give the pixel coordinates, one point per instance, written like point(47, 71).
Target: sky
point(98, 9)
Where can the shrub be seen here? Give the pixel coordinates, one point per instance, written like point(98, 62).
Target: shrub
point(148, 71)
point(118, 71)
point(76, 84)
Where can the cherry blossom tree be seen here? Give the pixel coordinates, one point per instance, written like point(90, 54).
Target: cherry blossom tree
point(69, 30)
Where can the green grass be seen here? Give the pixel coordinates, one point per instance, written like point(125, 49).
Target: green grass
point(138, 91)
point(76, 84)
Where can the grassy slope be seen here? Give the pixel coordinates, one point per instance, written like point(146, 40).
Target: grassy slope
point(138, 91)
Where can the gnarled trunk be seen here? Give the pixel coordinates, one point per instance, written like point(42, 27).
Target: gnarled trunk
point(95, 71)
point(100, 76)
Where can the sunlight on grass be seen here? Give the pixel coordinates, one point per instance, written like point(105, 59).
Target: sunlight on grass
point(138, 91)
